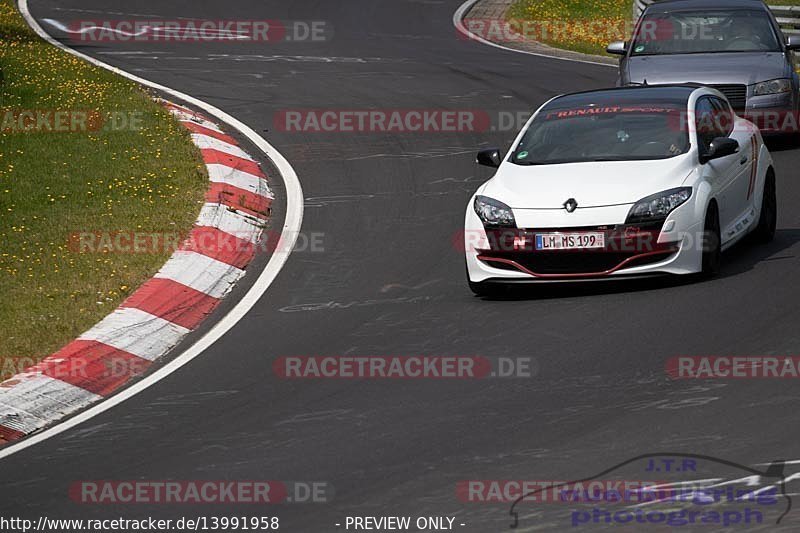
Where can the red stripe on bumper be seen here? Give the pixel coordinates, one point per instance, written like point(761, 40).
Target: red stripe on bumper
point(215, 157)
point(221, 246)
point(172, 301)
point(92, 366)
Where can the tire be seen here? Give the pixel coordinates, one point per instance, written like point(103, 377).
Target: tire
point(712, 243)
point(768, 220)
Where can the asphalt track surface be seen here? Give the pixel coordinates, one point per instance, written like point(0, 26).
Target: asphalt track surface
point(390, 282)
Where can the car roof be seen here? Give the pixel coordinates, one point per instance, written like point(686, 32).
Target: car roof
point(672, 95)
point(666, 6)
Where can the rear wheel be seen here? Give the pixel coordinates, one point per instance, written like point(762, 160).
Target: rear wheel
point(768, 220)
point(712, 243)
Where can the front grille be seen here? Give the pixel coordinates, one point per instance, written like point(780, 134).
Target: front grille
point(573, 263)
point(636, 244)
point(736, 95)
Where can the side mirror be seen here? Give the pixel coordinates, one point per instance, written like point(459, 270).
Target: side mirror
point(793, 42)
point(720, 147)
point(618, 48)
point(489, 157)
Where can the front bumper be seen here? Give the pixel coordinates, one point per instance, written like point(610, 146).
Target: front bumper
point(509, 255)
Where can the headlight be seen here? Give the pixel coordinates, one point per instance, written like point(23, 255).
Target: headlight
point(773, 87)
point(494, 213)
point(658, 206)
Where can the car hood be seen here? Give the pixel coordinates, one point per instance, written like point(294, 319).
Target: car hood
point(726, 68)
point(590, 184)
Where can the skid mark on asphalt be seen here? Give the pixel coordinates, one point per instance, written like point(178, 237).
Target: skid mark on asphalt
point(382, 147)
point(333, 414)
point(119, 13)
point(298, 59)
point(209, 447)
point(191, 399)
point(412, 155)
point(330, 305)
point(601, 394)
point(470, 179)
point(392, 286)
point(322, 201)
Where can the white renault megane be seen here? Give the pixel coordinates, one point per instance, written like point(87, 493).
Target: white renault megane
point(620, 183)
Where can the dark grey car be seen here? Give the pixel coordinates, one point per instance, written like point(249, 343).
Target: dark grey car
point(735, 46)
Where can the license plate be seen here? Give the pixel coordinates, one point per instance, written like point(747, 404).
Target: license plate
point(570, 241)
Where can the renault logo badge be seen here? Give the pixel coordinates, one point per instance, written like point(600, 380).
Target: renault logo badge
point(571, 205)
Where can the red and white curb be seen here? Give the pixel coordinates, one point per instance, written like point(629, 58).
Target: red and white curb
point(156, 317)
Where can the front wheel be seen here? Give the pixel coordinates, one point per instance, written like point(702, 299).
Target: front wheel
point(768, 220)
point(712, 243)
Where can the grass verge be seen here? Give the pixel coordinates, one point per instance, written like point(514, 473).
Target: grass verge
point(138, 171)
point(581, 25)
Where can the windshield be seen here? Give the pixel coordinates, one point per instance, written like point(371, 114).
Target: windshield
point(697, 32)
point(607, 133)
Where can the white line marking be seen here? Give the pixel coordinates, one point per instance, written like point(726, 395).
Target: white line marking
point(458, 18)
point(792, 462)
point(291, 230)
point(154, 30)
point(101, 12)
